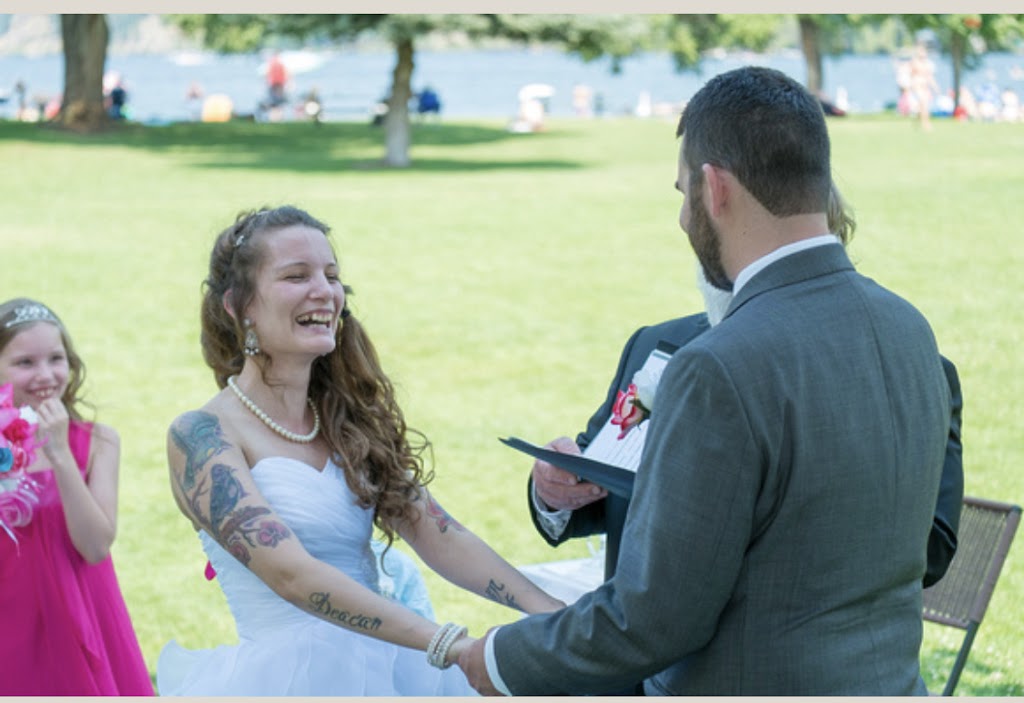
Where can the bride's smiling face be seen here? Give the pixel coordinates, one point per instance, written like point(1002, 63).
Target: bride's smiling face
point(299, 295)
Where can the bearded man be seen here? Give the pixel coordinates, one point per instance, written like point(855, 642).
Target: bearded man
point(768, 548)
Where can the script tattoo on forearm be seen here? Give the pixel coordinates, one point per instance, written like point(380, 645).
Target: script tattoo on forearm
point(197, 434)
point(321, 603)
point(441, 518)
point(498, 593)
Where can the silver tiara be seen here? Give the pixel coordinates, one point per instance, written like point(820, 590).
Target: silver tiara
point(30, 313)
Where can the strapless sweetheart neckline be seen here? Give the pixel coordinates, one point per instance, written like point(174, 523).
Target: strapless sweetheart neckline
point(276, 457)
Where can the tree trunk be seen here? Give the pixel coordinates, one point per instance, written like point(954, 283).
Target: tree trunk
point(810, 44)
point(85, 53)
point(957, 51)
point(397, 131)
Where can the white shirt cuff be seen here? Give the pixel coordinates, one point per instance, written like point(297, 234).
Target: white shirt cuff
point(492, 664)
point(553, 521)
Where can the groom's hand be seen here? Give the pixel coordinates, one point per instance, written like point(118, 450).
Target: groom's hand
point(472, 663)
point(560, 489)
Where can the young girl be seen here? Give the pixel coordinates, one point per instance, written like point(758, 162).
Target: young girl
point(66, 628)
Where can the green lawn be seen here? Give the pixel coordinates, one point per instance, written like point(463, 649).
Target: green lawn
point(499, 277)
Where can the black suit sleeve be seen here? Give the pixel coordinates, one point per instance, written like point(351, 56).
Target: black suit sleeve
point(942, 539)
point(590, 519)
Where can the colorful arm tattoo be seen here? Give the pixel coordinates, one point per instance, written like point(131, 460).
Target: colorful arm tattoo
point(247, 528)
point(225, 494)
point(443, 520)
point(198, 436)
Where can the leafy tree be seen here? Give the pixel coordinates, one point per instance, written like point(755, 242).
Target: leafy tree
point(824, 35)
point(966, 38)
point(85, 53)
point(688, 37)
point(86, 39)
point(589, 36)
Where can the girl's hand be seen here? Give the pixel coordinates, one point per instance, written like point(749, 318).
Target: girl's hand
point(53, 427)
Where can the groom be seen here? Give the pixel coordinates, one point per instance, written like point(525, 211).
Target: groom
point(768, 549)
point(562, 507)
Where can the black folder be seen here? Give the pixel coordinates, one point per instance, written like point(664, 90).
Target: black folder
point(618, 481)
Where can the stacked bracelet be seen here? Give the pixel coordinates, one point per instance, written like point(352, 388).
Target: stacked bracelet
point(441, 643)
point(436, 640)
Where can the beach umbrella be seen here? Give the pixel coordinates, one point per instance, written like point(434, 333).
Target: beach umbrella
point(538, 91)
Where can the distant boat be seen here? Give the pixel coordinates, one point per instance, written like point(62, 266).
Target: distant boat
point(189, 58)
point(299, 61)
point(538, 91)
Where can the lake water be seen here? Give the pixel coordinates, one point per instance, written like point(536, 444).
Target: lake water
point(471, 83)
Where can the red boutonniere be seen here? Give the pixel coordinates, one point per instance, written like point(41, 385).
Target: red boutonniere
point(628, 411)
point(633, 405)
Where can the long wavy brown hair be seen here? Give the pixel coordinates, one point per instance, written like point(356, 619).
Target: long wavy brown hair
point(383, 459)
point(9, 329)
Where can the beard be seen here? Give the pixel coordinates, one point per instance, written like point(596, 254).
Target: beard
point(716, 300)
point(705, 240)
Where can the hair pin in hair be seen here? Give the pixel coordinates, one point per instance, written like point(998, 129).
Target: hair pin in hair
point(239, 240)
point(30, 313)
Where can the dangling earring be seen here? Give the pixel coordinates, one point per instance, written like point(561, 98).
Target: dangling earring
point(252, 342)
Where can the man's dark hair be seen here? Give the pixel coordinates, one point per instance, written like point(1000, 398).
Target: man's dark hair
point(768, 131)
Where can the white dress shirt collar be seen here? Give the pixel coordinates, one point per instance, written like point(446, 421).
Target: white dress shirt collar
point(771, 257)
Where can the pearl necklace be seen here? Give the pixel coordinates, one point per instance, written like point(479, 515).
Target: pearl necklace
point(287, 434)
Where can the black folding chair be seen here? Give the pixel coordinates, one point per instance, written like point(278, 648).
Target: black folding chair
point(961, 597)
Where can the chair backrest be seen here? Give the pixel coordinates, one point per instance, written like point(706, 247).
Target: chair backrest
point(961, 597)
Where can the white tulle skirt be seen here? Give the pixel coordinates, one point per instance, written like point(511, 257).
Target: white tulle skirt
point(316, 659)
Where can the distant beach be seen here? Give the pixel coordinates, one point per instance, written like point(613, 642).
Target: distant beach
point(470, 83)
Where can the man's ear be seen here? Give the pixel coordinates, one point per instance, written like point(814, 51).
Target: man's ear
point(716, 189)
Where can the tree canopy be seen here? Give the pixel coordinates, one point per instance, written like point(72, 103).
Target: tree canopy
point(590, 36)
point(685, 37)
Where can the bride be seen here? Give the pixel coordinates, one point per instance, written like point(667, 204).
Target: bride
point(285, 472)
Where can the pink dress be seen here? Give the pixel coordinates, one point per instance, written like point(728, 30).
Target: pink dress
point(64, 626)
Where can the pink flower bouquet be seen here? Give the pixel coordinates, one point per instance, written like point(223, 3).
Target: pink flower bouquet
point(19, 494)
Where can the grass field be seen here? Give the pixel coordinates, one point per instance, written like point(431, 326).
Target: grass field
point(499, 277)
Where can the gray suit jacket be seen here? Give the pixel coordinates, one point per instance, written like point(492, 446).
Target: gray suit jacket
point(608, 515)
point(769, 549)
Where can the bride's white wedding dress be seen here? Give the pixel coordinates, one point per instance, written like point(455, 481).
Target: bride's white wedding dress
point(282, 650)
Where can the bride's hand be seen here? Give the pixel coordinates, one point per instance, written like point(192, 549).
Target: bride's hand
point(473, 664)
point(458, 647)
